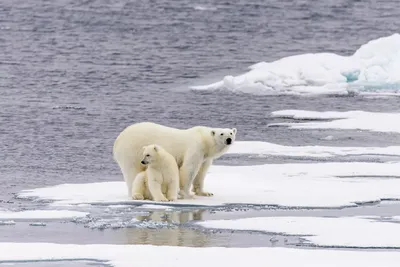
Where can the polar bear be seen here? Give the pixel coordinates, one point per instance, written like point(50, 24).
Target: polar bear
point(161, 177)
point(194, 150)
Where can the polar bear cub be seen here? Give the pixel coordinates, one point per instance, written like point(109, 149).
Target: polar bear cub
point(160, 180)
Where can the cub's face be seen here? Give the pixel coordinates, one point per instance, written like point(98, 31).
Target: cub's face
point(224, 137)
point(149, 154)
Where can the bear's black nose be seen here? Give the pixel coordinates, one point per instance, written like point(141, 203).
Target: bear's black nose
point(228, 141)
point(144, 163)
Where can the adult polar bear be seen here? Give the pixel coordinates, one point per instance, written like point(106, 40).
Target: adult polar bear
point(194, 150)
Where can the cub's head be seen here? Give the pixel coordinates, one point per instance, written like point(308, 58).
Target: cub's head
point(150, 154)
point(223, 137)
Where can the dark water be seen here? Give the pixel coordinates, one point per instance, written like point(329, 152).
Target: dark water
point(73, 74)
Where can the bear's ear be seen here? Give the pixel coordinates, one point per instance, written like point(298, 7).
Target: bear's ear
point(156, 148)
point(234, 130)
point(212, 132)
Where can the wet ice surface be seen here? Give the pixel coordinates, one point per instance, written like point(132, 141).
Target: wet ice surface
point(177, 227)
point(128, 222)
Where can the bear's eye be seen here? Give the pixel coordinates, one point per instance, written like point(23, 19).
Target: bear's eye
point(231, 133)
point(222, 134)
point(148, 155)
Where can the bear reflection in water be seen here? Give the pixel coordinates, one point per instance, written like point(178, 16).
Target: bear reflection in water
point(172, 232)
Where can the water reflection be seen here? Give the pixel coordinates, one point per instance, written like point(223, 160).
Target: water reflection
point(172, 234)
point(173, 217)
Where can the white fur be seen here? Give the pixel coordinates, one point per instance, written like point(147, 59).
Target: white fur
point(194, 149)
point(161, 177)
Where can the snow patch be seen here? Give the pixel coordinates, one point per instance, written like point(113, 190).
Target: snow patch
point(144, 255)
point(349, 120)
point(321, 231)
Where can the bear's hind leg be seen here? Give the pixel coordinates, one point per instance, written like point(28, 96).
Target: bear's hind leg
point(129, 174)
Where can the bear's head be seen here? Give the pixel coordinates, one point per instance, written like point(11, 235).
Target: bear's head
point(150, 154)
point(223, 138)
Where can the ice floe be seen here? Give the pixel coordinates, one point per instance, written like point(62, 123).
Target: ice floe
point(10, 222)
point(321, 231)
point(265, 148)
point(349, 120)
point(41, 214)
point(373, 67)
point(144, 255)
point(293, 185)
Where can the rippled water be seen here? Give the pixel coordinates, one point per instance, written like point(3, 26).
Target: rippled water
point(73, 74)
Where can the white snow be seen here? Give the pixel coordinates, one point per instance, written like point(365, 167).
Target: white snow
point(374, 64)
point(298, 185)
point(359, 120)
point(265, 148)
point(41, 214)
point(321, 231)
point(144, 255)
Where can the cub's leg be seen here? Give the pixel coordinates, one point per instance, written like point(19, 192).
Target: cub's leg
point(173, 189)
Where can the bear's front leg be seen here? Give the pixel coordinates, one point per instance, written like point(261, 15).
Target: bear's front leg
point(187, 173)
point(138, 186)
point(155, 188)
point(173, 189)
point(198, 183)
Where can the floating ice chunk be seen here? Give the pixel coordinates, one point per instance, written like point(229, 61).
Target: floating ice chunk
point(144, 255)
point(41, 214)
point(375, 63)
point(37, 224)
point(154, 207)
point(336, 232)
point(205, 8)
point(7, 222)
point(265, 148)
point(350, 120)
point(328, 138)
point(297, 185)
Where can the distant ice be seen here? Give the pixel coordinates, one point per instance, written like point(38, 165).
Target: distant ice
point(295, 185)
point(373, 65)
point(349, 120)
point(205, 8)
point(37, 224)
point(321, 231)
point(167, 256)
point(41, 214)
point(7, 222)
point(265, 148)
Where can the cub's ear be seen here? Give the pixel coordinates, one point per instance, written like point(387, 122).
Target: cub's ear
point(212, 132)
point(234, 130)
point(156, 148)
